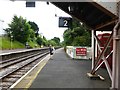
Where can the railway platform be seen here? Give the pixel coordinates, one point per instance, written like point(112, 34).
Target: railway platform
point(9, 51)
point(63, 72)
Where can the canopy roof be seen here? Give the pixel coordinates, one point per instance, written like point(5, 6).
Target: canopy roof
point(90, 13)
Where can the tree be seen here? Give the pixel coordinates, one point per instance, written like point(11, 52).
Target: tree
point(77, 36)
point(75, 23)
point(39, 40)
point(32, 35)
point(20, 29)
point(68, 37)
point(52, 42)
point(79, 41)
point(35, 27)
point(56, 40)
point(45, 41)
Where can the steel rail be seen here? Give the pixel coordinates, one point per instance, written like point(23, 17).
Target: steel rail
point(12, 59)
point(12, 62)
point(19, 67)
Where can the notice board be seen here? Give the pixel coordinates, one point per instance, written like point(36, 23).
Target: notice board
point(81, 51)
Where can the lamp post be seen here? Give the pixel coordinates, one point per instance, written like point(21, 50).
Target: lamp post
point(11, 38)
point(11, 41)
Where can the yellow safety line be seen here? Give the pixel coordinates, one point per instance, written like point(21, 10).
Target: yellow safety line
point(32, 79)
point(28, 79)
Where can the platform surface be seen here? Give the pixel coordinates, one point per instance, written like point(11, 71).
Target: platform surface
point(63, 72)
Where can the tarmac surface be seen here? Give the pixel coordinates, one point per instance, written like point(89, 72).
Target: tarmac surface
point(63, 72)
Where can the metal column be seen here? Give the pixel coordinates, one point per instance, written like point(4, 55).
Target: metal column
point(116, 55)
point(93, 48)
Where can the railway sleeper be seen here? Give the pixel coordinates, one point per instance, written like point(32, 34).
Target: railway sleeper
point(12, 80)
point(14, 76)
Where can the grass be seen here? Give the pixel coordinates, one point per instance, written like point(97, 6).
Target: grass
point(5, 43)
point(33, 44)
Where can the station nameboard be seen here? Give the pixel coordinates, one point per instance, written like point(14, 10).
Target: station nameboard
point(65, 21)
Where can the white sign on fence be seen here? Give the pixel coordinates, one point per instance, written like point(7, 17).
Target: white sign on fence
point(79, 52)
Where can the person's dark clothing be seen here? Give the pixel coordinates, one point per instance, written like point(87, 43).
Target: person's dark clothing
point(51, 50)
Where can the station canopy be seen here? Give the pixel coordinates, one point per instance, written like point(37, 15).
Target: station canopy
point(92, 14)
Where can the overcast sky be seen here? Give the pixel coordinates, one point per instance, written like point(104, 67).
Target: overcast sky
point(42, 14)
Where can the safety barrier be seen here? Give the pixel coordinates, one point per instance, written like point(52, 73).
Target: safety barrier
point(78, 52)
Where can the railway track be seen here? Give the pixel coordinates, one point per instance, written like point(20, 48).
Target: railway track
point(13, 69)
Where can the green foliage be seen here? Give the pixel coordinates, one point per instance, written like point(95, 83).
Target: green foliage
point(34, 27)
point(56, 41)
point(32, 35)
point(33, 44)
point(42, 41)
point(77, 36)
point(52, 42)
point(20, 30)
point(75, 24)
point(45, 41)
point(39, 40)
point(79, 41)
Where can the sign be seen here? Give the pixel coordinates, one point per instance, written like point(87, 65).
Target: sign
point(30, 4)
point(65, 21)
point(81, 51)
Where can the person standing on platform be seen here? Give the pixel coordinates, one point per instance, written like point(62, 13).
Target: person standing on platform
point(51, 51)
